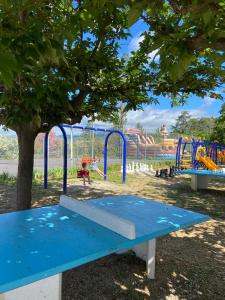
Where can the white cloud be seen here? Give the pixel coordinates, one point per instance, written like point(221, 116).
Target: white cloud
point(153, 118)
point(135, 43)
point(136, 40)
point(153, 55)
point(208, 101)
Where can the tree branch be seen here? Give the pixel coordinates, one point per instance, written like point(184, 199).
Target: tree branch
point(100, 39)
point(81, 27)
point(200, 43)
point(78, 100)
point(2, 116)
point(182, 9)
point(97, 45)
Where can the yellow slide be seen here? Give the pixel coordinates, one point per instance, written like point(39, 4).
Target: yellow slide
point(208, 163)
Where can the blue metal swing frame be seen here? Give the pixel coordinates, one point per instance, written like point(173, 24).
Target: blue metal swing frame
point(62, 128)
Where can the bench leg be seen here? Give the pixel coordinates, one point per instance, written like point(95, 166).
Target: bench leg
point(146, 251)
point(45, 289)
point(199, 182)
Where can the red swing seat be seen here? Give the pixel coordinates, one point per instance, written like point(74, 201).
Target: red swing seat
point(88, 160)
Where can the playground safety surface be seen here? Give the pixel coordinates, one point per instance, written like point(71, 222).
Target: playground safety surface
point(190, 263)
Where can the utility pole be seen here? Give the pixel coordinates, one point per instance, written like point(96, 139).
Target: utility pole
point(145, 144)
point(93, 143)
point(71, 146)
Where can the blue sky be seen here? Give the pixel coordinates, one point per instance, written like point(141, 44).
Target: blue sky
point(154, 116)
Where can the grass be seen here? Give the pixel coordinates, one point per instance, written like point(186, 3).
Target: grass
point(7, 179)
point(159, 164)
point(114, 173)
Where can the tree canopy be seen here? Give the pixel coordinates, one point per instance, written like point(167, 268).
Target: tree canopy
point(218, 134)
point(196, 24)
point(200, 128)
point(119, 117)
point(60, 62)
point(181, 126)
point(184, 43)
point(55, 49)
point(61, 57)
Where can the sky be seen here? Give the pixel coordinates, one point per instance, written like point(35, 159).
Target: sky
point(153, 116)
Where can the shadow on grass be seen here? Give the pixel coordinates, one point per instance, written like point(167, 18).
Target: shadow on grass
point(182, 272)
point(190, 263)
point(43, 197)
point(210, 201)
point(177, 191)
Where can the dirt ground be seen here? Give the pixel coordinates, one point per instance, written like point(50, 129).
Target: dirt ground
point(190, 264)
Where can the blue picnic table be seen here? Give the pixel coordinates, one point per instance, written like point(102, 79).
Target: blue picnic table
point(200, 178)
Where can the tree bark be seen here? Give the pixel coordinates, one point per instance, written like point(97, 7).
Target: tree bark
point(26, 138)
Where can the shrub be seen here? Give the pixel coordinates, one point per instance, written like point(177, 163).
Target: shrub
point(8, 147)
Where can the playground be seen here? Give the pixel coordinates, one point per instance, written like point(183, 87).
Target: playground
point(182, 263)
point(131, 170)
point(112, 150)
point(126, 174)
point(200, 159)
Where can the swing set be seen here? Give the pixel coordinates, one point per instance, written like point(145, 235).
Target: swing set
point(87, 160)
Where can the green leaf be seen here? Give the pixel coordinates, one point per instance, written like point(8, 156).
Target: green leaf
point(133, 15)
point(8, 66)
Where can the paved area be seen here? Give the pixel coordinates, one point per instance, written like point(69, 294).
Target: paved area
point(10, 166)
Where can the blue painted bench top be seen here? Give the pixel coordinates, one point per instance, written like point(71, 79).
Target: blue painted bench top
point(42, 242)
point(202, 172)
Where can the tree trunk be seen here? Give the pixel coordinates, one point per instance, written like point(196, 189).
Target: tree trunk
point(26, 138)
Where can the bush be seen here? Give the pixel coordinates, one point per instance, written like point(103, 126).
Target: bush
point(8, 148)
point(7, 179)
